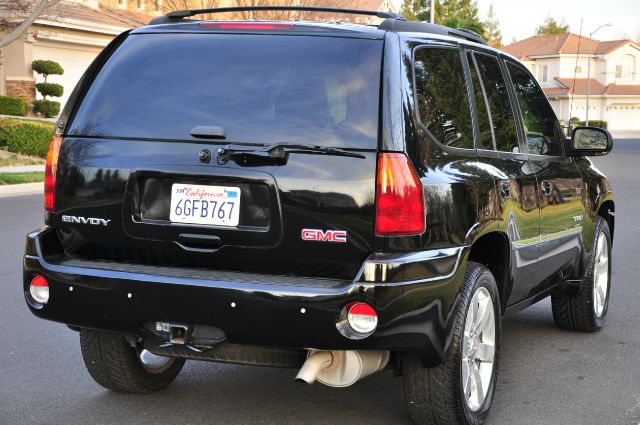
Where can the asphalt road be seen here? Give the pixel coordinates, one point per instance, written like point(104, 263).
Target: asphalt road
point(547, 376)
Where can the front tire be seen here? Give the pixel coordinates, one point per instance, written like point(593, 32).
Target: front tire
point(460, 390)
point(587, 310)
point(113, 363)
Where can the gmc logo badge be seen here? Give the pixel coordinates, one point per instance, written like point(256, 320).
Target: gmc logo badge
point(324, 235)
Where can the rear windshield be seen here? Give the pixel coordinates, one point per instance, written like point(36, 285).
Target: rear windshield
point(259, 88)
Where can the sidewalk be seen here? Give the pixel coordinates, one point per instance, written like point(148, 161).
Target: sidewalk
point(21, 189)
point(22, 169)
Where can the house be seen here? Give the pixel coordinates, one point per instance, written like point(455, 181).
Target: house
point(560, 64)
point(73, 32)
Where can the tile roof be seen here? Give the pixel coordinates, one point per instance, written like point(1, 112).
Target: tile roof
point(540, 45)
point(568, 88)
point(102, 15)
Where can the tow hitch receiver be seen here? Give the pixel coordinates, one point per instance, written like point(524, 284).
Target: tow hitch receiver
point(197, 338)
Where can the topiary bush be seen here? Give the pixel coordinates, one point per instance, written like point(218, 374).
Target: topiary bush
point(50, 89)
point(12, 106)
point(26, 137)
point(47, 108)
point(47, 68)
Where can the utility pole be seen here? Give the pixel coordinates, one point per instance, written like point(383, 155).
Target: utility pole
point(586, 121)
point(433, 11)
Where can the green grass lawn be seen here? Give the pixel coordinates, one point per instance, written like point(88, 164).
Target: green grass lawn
point(17, 178)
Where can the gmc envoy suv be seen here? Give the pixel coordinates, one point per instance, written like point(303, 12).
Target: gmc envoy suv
point(330, 197)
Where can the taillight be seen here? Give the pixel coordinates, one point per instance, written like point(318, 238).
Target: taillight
point(50, 172)
point(399, 198)
point(264, 26)
point(39, 289)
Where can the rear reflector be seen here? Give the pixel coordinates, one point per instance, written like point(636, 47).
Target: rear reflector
point(50, 172)
point(39, 289)
point(357, 320)
point(264, 26)
point(399, 198)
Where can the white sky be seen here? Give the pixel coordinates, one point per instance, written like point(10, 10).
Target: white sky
point(520, 18)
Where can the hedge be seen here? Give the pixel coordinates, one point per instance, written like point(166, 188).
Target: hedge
point(26, 137)
point(48, 108)
point(50, 89)
point(13, 106)
point(595, 123)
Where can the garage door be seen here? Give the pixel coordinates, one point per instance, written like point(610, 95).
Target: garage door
point(73, 59)
point(624, 117)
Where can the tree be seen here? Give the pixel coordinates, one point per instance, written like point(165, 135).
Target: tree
point(491, 29)
point(451, 13)
point(552, 27)
point(18, 15)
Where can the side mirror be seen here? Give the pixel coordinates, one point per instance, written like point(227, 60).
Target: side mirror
point(589, 141)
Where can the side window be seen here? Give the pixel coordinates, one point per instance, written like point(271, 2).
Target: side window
point(482, 108)
point(544, 135)
point(443, 104)
point(504, 124)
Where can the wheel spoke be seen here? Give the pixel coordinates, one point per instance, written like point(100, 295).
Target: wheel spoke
point(466, 378)
point(482, 315)
point(485, 352)
point(600, 294)
point(477, 379)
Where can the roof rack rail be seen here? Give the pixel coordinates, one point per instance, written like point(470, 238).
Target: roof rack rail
point(396, 25)
point(177, 15)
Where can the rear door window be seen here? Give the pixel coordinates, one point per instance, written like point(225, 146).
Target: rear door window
point(443, 103)
point(502, 117)
point(482, 107)
point(259, 88)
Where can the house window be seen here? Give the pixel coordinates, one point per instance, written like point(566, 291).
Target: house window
point(122, 3)
point(141, 4)
point(157, 5)
point(626, 69)
point(578, 69)
point(543, 73)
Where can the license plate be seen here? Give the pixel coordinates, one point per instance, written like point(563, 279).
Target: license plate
point(200, 204)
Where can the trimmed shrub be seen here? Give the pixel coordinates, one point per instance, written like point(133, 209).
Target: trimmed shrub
point(47, 108)
point(47, 68)
point(12, 106)
point(50, 89)
point(595, 123)
point(26, 137)
point(574, 120)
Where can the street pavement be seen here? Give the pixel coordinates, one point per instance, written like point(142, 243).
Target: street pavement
point(547, 376)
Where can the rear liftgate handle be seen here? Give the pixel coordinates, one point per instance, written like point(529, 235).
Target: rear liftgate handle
point(193, 242)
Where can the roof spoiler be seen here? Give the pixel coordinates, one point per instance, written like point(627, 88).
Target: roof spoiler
point(178, 15)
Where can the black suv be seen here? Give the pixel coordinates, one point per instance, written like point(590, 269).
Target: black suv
point(330, 197)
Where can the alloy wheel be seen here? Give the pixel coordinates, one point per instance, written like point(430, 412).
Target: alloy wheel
point(478, 351)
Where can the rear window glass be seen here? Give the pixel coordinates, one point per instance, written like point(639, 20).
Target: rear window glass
point(443, 104)
point(259, 88)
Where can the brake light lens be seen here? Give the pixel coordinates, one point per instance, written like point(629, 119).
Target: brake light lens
point(50, 172)
point(39, 289)
point(399, 197)
point(264, 26)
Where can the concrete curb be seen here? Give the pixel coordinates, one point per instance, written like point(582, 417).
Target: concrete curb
point(22, 169)
point(21, 189)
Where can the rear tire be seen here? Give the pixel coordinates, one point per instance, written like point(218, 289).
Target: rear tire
point(445, 394)
point(113, 363)
point(587, 310)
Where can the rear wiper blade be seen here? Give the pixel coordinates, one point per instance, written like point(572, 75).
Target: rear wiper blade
point(277, 152)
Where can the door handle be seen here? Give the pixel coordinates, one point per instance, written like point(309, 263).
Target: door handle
point(546, 187)
point(505, 189)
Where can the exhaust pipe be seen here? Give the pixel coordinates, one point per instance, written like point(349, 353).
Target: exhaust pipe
point(341, 368)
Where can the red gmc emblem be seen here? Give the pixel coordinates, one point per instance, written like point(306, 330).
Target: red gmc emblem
point(324, 235)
